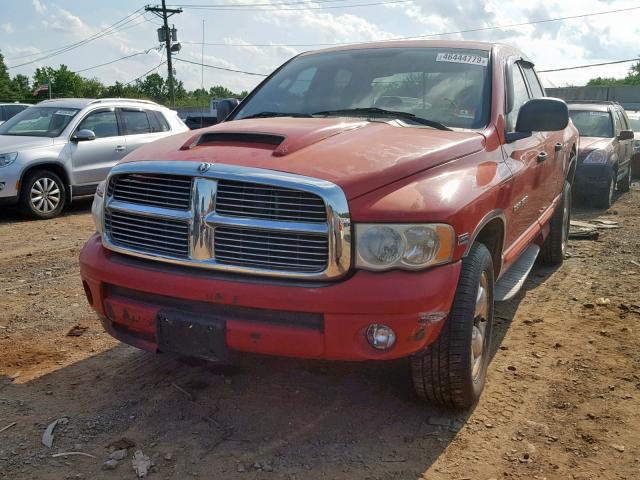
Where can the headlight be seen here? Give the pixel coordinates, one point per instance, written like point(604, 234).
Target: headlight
point(636, 145)
point(7, 158)
point(597, 156)
point(98, 206)
point(407, 246)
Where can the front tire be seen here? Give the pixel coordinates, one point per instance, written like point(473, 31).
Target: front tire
point(624, 185)
point(43, 195)
point(555, 245)
point(452, 370)
point(604, 197)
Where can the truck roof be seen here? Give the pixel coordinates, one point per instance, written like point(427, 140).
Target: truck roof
point(421, 43)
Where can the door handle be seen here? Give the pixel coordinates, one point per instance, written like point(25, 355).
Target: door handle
point(558, 146)
point(120, 148)
point(542, 156)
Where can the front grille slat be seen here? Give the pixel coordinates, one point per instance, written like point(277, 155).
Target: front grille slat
point(142, 233)
point(168, 191)
point(264, 249)
point(253, 200)
point(245, 247)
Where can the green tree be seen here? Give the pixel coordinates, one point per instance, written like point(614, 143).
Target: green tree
point(64, 82)
point(154, 87)
point(21, 86)
point(6, 86)
point(632, 78)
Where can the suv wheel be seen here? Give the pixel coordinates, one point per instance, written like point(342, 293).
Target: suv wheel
point(624, 185)
point(452, 370)
point(555, 245)
point(604, 197)
point(43, 195)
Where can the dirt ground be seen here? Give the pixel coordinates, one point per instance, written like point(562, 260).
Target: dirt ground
point(561, 402)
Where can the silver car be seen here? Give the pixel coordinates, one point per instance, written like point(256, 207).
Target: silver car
point(61, 149)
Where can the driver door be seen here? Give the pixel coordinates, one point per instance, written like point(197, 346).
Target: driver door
point(92, 159)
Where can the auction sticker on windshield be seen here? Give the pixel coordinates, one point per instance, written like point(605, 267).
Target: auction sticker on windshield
point(69, 113)
point(462, 58)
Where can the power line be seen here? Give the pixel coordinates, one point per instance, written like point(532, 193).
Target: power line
point(251, 5)
point(221, 68)
point(113, 28)
point(589, 65)
point(145, 52)
point(241, 7)
point(417, 37)
point(146, 73)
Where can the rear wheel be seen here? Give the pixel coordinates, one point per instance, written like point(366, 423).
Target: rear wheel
point(452, 370)
point(555, 245)
point(43, 195)
point(624, 185)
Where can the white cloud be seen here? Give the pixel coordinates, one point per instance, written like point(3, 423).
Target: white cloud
point(39, 7)
point(7, 28)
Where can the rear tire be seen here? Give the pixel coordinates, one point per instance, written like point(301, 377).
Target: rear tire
point(624, 185)
point(452, 370)
point(42, 195)
point(555, 245)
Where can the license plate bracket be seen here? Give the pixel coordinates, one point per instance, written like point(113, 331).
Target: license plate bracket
point(192, 334)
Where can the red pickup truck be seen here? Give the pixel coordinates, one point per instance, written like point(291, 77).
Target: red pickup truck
point(366, 202)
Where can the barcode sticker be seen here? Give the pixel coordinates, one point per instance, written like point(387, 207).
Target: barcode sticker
point(68, 113)
point(462, 58)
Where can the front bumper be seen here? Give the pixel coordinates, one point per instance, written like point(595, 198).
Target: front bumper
point(592, 177)
point(10, 176)
point(320, 320)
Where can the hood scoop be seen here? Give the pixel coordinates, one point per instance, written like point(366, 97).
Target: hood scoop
point(230, 139)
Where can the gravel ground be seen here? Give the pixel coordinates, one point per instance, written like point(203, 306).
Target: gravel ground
point(561, 400)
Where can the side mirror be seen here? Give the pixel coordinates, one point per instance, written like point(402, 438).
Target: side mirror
point(626, 135)
point(542, 115)
point(225, 107)
point(83, 136)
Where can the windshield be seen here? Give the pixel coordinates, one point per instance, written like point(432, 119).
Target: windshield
point(592, 124)
point(449, 86)
point(634, 124)
point(39, 122)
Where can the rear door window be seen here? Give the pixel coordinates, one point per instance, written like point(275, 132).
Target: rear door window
point(135, 122)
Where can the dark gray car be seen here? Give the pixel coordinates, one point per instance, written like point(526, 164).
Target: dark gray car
point(606, 148)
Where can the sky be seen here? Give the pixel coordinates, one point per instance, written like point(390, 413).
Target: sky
point(31, 29)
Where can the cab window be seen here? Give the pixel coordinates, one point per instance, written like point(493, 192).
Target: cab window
point(519, 96)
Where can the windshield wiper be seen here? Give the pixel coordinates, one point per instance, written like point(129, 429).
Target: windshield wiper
point(386, 113)
point(277, 114)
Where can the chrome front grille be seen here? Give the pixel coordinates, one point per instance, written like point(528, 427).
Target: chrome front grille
point(148, 234)
point(228, 218)
point(251, 200)
point(273, 250)
point(167, 191)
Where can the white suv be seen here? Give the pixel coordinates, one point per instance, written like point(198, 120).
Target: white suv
point(61, 149)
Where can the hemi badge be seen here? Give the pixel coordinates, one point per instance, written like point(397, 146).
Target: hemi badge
point(463, 239)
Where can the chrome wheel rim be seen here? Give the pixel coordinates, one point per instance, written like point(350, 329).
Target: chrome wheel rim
point(45, 195)
point(479, 330)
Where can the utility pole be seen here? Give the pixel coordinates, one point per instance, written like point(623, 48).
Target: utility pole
point(164, 13)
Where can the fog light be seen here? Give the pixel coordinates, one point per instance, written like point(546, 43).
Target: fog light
point(380, 336)
point(2, 184)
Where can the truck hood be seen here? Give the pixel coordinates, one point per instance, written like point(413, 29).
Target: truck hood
point(588, 144)
point(14, 143)
point(358, 155)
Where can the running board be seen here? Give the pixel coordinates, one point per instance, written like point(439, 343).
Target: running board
point(511, 282)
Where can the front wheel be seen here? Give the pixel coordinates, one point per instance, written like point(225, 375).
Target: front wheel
point(624, 185)
point(452, 370)
point(43, 195)
point(604, 196)
point(555, 245)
